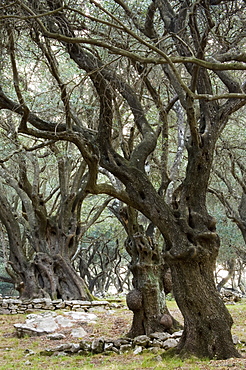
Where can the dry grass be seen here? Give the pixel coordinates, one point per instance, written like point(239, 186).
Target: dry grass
point(24, 353)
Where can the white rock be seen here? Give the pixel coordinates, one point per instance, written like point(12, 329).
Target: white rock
point(160, 336)
point(99, 303)
point(138, 350)
point(78, 333)
point(63, 321)
point(235, 339)
point(177, 334)
point(81, 316)
point(170, 343)
point(27, 363)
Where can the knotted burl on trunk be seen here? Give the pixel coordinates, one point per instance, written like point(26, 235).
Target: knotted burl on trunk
point(167, 321)
point(134, 300)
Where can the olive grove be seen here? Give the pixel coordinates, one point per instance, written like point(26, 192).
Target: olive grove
point(150, 84)
point(42, 217)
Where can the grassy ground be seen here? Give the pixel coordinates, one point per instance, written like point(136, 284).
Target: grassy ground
point(24, 353)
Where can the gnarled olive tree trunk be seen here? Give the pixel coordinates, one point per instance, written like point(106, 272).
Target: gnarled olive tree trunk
point(191, 257)
point(41, 246)
point(48, 271)
point(57, 279)
point(47, 275)
point(147, 299)
point(50, 277)
point(207, 322)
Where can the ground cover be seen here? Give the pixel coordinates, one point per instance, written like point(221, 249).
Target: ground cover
point(24, 353)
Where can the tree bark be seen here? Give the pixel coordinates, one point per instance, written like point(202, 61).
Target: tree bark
point(47, 275)
point(57, 278)
point(147, 300)
point(43, 269)
point(150, 314)
point(207, 322)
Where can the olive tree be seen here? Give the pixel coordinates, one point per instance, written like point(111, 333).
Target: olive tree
point(140, 57)
point(40, 202)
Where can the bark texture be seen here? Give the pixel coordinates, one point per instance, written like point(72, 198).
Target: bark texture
point(207, 322)
point(48, 273)
point(147, 300)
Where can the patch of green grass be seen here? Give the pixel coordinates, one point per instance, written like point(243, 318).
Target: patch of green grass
point(237, 312)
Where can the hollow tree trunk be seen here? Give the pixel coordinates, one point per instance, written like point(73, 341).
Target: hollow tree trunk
point(207, 322)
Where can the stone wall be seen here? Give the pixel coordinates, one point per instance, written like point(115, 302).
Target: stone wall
point(154, 343)
point(18, 306)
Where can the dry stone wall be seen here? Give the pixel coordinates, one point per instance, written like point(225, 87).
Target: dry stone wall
point(153, 343)
point(18, 306)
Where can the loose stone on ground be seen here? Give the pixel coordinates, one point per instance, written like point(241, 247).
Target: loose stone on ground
point(49, 322)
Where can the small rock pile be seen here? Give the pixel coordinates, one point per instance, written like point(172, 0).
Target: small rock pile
point(18, 306)
point(49, 322)
point(154, 343)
